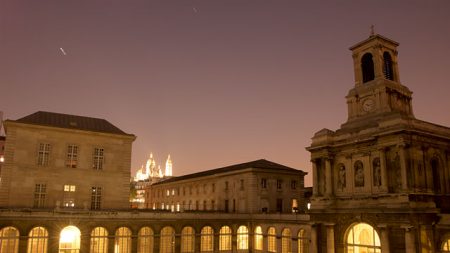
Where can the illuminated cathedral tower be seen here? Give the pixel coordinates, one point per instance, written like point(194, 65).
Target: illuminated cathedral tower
point(168, 172)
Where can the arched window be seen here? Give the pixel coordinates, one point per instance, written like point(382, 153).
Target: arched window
point(362, 237)
point(207, 239)
point(187, 240)
point(271, 240)
point(167, 240)
point(359, 174)
point(446, 245)
point(367, 68)
point(302, 241)
point(286, 243)
point(225, 238)
point(145, 240)
point(387, 66)
point(9, 240)
point(122, 243)
point(69, 240)
point(37, 240)
point(99, 240)
point(258, 238)
point(242, 239)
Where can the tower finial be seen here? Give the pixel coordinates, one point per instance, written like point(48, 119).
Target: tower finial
point(372, 30)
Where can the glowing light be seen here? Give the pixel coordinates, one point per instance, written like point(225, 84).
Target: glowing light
point(168, 167)
point(69, 234)
point(2, 159)
point(309, 206)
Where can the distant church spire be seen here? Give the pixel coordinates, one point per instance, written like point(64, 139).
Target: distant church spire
point(168, 167)
point(372, 30)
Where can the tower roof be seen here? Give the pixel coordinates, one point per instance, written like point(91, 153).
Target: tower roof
point(373, 38)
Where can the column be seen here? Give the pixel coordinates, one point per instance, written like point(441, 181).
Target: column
point(177, 242)
point(313, 241)
point(265, 242)
point(216, 240)
point(197, 241)
point(328, 175)
point(384, 175)
point(315, 181)
point(294, 243)
point(403, 171)
point(330, 237)
point(410, 240)
point(23, 244)
point(384, 238)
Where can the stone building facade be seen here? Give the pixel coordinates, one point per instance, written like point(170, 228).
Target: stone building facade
point(253, 187)
point(64, 161)
point(381, 183)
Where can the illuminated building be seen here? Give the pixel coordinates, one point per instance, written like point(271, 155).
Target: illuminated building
point(381, 183)
point(57, 160)
point(255, 187)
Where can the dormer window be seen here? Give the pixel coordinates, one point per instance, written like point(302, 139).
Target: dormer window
point(387, 66)
point(367, 68)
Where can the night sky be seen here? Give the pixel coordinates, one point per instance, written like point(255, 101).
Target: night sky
point(213, 82)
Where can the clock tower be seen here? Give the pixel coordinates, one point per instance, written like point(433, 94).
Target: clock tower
point(377, 91)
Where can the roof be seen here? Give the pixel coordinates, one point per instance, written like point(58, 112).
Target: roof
point(71, 122)
point(258, 164)
point(375, 37)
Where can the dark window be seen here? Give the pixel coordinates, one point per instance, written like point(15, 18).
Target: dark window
point(39, 195)
point(293, 184)
point(436, 177)
point(280, 205)
point(242, 184)
point(263, 183)
point(279, 183)
point(226, 185)
point(367, 68)
point(96, 197)
point(387, 66)
point(227, 206)
point(234, 205)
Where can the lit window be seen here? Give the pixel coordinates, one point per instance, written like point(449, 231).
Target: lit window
point(72, 156)
point(242, 238)
point(302, 242)
point(178, 206)
point(145, 240)
point(362, 237)
point(259, 238)
point(37, 240)
point(168, 192)
point(98, 159)
point(294, 205)
point(69, 188)
point(271, 240)
point(96, 197)
point(9, 240)
point(187, 240)
point(446, 245)
point(207, 239)
point(122, 243)
point(43, 154)
point(39, 195)
point(99, 240)
point(69, 240)
point(225, 238)
point(173, 192)
point(286, 243)
point(167, 240)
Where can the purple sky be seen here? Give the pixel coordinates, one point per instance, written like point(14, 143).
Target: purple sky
point(213, 82)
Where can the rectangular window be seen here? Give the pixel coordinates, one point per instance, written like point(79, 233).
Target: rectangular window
point(40, 191)
point(279, 182)
point(96, 197)
point(226, 185)
point(213, 205)
point(69, 195)
point(226, 207)
point(204, 205)
point(280, 205)
point(213, 187)
point(196, 205)
point(242, 184)
point(204, 188)
point(263, 183)
point(293, 184)
point(72, 156)
point(43, 154)
point(98, 159)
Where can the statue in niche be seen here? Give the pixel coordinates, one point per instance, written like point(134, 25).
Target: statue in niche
point(398, 176)
point(359, 174)
point(376, 172)
point(341, 177)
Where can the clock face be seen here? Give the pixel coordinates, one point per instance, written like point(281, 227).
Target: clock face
point(368, 105)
